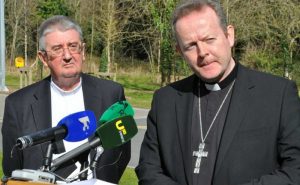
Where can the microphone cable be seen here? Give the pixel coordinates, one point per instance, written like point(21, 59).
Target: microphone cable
point(95, 168)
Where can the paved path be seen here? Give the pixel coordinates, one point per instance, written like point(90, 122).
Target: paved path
point(140, 118)
point(2, 101)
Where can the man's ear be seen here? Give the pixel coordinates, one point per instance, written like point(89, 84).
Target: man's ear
point(83, 51)
point(43, 57)
point(230, 35)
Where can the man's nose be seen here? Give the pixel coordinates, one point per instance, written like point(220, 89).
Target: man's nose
point(66, 54)
point(202, 49)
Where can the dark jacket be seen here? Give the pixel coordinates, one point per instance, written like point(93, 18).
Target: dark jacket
point(260, 143)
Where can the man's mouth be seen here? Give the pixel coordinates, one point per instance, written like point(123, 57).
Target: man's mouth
point(206, 63)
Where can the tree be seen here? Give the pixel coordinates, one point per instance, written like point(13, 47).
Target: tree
point(13, 19)
point(269, 27)
point(46, 9)
point(110, 25)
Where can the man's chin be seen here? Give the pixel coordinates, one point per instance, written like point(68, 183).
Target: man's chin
point(71, 75)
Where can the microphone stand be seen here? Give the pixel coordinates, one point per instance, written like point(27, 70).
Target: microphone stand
point(83, 173)
point(93, 166)
point(48, 158)
point(84, 169)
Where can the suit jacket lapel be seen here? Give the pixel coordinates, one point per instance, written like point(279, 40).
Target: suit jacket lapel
point(184, 112)
point(92, 101)
point(240, 100)
point(41, 107)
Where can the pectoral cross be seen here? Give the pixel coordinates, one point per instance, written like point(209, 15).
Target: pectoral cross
point(199, 154)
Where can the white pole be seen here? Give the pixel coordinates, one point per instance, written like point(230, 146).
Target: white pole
point(2, 48)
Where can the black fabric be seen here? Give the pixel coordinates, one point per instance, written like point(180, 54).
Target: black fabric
point(210, 103)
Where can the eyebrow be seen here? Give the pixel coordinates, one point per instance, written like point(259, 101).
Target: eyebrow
point(69, 43)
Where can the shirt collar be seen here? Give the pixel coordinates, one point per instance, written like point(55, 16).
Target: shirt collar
point(63, 92)
point(224, 83)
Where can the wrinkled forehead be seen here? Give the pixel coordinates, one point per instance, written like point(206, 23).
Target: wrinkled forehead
point(57, 37)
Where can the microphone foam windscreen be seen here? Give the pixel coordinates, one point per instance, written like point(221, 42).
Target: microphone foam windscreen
point(80, 125)
point(118, 109)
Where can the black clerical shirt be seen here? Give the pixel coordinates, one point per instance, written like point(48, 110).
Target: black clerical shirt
point(210, 103)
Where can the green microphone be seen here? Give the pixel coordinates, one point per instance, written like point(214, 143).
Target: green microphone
point(118, 109)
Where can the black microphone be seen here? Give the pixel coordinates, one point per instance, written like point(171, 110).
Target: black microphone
point(74, 127)
point(109, 135)
point(51, 134)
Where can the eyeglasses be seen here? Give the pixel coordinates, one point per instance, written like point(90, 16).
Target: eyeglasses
point(59, 50)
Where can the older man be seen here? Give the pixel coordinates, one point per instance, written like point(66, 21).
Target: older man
point(65, 91)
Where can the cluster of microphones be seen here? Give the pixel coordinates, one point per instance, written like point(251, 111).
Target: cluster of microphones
point(115, 128)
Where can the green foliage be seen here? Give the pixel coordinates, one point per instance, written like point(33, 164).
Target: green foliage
point(166, 62)
point(181, 67)
point(142, 30)
point(296, 72)
point(272, 28)
point(49, 8)
point(103, 61)
point(263, 61)
point(161, 12)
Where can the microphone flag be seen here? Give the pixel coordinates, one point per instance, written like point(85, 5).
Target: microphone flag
point(81, 125)
point(117, 132)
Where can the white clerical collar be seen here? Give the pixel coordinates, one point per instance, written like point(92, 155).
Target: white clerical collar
point(213, 87)
point(63, 92)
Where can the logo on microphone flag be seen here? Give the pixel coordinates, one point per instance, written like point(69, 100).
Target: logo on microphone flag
point(122, 130)
point(80, 125)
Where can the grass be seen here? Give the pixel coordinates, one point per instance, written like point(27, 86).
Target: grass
point(12, 81)
point(129, 177)
point(138, 89)
point(138, 99)
point(1, 170)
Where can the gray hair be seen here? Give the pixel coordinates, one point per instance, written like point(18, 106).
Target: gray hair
point(188, 6)
point(58, 22)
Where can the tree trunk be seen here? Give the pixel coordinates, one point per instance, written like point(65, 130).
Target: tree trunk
point(15, 31)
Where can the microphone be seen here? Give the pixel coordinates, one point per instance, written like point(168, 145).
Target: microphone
point(109, 135)
point(74, 127)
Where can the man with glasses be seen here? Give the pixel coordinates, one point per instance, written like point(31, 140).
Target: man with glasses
point(67, 90)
